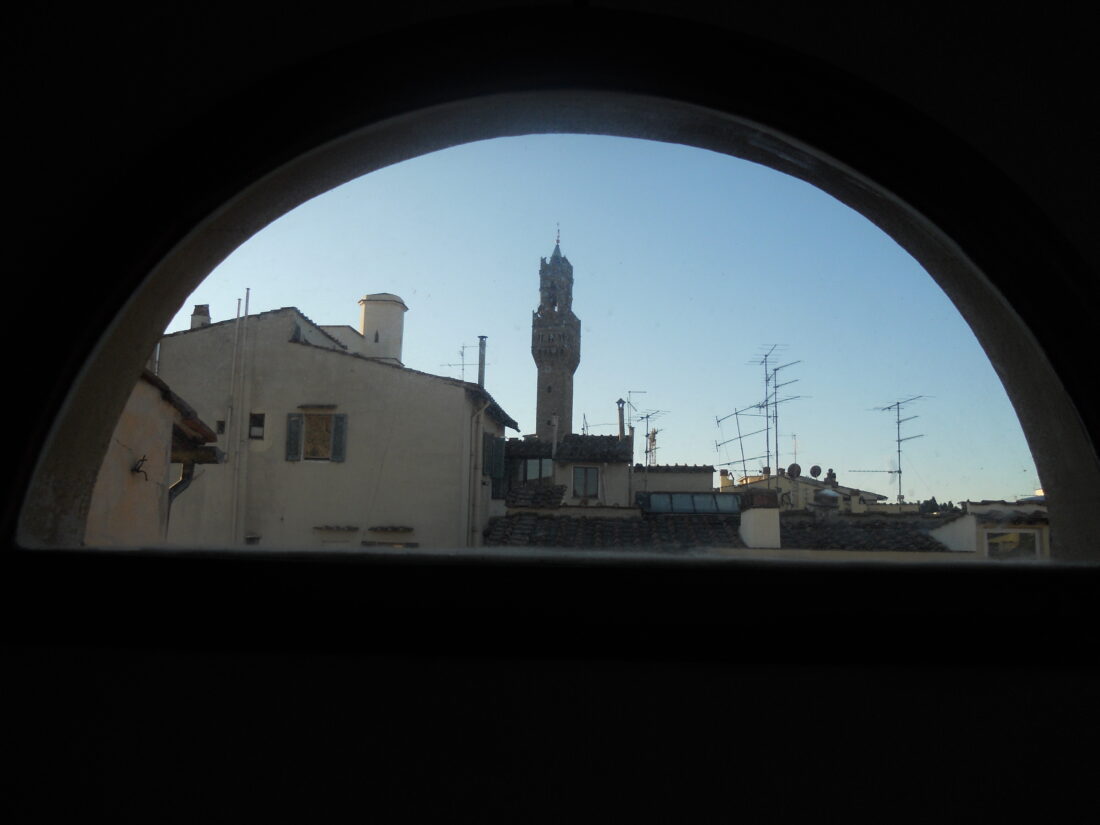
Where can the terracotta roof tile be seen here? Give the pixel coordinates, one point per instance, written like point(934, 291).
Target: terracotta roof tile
point(535, 494)
point(669, 533)
point(862, 531)
point(573, 447)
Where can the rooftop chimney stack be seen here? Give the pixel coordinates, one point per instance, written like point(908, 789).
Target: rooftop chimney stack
point(622, 424)
point(201, 316)
point(382, 325)
point(481, 360)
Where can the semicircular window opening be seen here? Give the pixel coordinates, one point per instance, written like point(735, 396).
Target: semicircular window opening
point(553, 343)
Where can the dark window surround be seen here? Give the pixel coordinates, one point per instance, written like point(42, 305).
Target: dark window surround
point(256, 426)
point(298, 430)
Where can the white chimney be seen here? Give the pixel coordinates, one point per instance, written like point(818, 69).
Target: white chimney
point(201, 316)
point(382, 325)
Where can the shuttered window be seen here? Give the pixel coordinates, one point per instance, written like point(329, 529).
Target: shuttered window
point(492, 455)
point(492, 462)
point(586, 482)
point(316, 436)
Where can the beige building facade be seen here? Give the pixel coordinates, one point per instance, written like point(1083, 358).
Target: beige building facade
point(799, 493)
point(674, 478)
point(136, 487)
point(330, 443)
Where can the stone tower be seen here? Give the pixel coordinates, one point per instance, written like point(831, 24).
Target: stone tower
point(555, 345)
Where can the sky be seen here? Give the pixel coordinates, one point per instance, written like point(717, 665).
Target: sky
point(688, 266)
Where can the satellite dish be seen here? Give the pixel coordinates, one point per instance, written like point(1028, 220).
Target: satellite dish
point(794, 471)
point(815, 471)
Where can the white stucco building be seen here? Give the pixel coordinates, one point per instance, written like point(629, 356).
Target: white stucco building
point(999, 530)
point(331, 442)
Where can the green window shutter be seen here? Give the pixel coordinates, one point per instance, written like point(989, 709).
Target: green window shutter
point(339, 436)
point(293, 436)
point(497, 465)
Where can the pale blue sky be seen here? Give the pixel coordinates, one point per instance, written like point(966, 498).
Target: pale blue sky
point(688, 265)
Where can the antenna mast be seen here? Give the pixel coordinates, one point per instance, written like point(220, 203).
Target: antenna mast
point(896, 407)
point(898, 421)
point(736, 416)
point(462, 359)
point(776, 402)
point(630, 410)
point(651, 437)
point(764, 405)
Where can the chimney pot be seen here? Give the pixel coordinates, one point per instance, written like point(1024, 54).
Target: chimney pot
point(382, 325)
point(201, 316)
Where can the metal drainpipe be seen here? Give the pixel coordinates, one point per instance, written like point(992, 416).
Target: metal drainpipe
point(475, 477)
point(187, 475)
point(245, 401)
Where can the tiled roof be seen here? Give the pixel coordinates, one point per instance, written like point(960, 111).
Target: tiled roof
point(527, 448)
point(264, 314)
point(861, 531)
point(673, 468)
point(195, 427)
point(666, 532)
point(575, 447)
point(494, 409)
point(535, 494)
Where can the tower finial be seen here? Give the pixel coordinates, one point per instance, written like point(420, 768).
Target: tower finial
point(557, 239)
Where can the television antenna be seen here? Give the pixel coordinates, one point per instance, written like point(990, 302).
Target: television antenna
point(776, 386)
point(462, 359)
point(741, 461)
point(736, 416)
point(651, 436)
point(631, 408)
point(898, 421)
point(767, 353)
point(585, 426)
